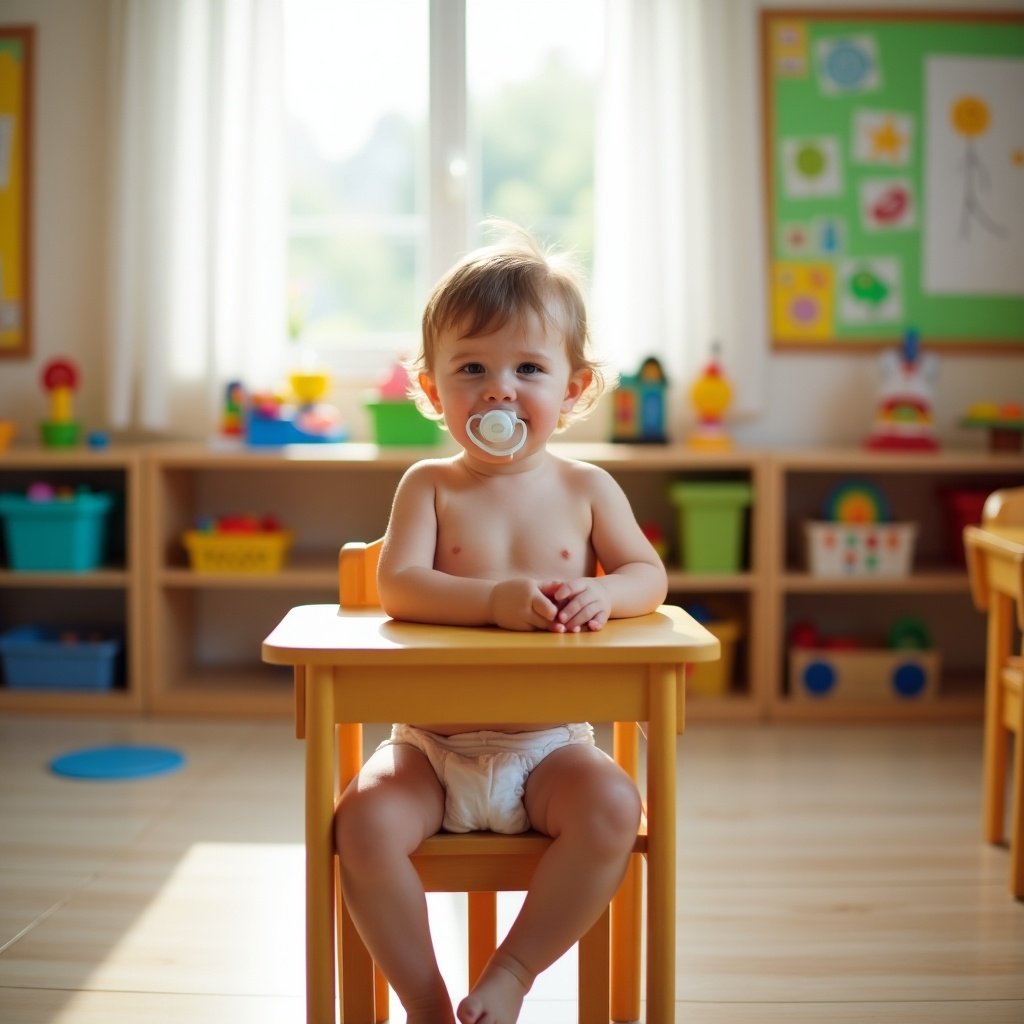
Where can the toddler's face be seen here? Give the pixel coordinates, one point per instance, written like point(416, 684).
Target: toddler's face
point(523, 366)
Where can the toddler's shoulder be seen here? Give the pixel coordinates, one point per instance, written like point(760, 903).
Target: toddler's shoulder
point(430, 469)
point(586, 476)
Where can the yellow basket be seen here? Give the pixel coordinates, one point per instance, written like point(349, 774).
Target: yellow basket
point(237, 552)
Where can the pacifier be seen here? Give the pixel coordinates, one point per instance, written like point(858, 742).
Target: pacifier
point(494, 431)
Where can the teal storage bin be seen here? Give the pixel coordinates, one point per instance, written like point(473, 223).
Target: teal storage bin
point(58, 658)
point(62, 535)
point(712, 517)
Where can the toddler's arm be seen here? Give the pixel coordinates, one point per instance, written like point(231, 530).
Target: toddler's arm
point(634, 582)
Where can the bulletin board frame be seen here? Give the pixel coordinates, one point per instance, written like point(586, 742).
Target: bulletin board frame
point(893, 155)
point(17, 55)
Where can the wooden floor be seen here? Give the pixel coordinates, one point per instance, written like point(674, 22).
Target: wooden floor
point(825, 875)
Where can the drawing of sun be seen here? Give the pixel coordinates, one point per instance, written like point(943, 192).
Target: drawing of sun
point(970, 116)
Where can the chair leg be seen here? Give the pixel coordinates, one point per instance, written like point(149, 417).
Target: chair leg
point(995, 747)
point(483, 931)
point(626, 923)
point(357, 981)
point(381, 996)
point(594, 957)
point(1017, 811)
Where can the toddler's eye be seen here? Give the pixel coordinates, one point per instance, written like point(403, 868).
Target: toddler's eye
point(472, 368)
point(528, 369)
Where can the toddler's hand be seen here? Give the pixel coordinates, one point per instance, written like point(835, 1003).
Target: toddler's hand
point(582, 604)
point(522, 604)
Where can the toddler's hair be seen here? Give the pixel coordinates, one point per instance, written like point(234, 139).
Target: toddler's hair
point(501, 282)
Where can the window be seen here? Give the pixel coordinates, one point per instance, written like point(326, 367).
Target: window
point(409, 122)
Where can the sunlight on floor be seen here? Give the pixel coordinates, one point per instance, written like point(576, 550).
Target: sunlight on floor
point(255, 891)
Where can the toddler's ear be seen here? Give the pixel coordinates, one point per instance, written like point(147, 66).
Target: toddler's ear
point(578, 383)
point(426, 382)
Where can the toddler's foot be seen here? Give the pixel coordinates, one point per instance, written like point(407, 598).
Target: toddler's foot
point(498, 996)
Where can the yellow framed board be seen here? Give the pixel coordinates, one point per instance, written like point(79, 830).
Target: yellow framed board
point(894, 172)
point(16, 54)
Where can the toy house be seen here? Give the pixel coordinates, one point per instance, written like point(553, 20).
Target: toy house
point(639, 405)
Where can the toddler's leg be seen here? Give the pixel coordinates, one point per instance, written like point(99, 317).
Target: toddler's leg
point(591, 808)
point(393, 804)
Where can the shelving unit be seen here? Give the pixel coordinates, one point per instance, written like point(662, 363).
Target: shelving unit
point(936, 590)
point(192, 639)
point(205, 630)
point(112, 594)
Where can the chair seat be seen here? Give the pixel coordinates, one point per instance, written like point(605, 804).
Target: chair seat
point(495, 843)
point(487, 861)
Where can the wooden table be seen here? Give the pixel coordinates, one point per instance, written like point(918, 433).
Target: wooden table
point(362, 667)
point(995, 558)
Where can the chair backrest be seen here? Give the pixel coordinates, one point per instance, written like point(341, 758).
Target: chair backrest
point(1005, 506)
point(357, 574)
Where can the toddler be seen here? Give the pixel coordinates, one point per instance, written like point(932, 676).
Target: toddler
point(507, 534)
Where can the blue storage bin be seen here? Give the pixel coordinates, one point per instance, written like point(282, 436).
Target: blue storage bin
point(45, 658)
point(62, 535)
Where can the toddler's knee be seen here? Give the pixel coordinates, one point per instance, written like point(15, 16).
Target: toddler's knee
point(613, 818)
point(362, 828)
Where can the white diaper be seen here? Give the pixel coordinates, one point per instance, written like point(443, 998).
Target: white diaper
point(484, 773)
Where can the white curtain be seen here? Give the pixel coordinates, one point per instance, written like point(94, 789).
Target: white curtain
point(198, 227)
point(679, 248)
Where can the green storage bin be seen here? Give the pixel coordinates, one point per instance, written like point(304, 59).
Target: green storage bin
point(711, 524)
point(401, 424)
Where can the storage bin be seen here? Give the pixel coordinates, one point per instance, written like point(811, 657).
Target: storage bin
point(257, 553)
point(59, 658)
point(860, 549)
point(62, 535)
point(399, 423)
point(963, 507)
point(817, 674)
point(711, 524)
point(712, 678)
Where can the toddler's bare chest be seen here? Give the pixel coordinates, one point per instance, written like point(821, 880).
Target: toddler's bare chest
point(545, 537)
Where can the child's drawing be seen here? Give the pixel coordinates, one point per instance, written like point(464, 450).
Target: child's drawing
point(973, 237)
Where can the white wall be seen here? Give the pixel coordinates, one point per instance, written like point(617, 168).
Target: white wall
point(810, 398)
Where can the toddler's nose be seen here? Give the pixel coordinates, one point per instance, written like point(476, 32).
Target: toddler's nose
point(501, 388)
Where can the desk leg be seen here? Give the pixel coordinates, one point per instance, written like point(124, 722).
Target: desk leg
point(626, 909)
point(661, 846)
point(320, 959)
point(997, 650)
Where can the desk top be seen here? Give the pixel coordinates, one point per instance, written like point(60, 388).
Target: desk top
point(321, 634)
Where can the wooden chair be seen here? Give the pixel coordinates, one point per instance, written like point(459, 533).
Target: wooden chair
point(485, 863)
point(995, 559)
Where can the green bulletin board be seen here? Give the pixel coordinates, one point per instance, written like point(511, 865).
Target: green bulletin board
point(894, 157)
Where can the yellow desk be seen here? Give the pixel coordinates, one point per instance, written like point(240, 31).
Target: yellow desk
point(995, 559)
point(361, 667)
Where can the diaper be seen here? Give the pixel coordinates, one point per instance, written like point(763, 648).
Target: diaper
point(484, 773)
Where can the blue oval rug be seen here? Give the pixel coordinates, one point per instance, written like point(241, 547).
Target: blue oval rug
point(130, 762)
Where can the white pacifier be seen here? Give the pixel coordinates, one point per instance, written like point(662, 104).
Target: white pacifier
point(494, 431)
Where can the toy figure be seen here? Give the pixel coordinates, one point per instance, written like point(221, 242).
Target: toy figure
point(60, 379)
point(711, 395)
point(903, 418)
